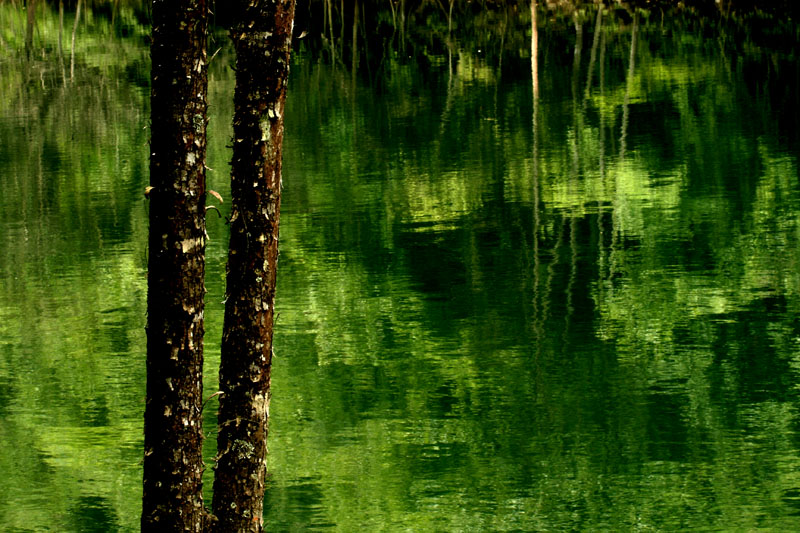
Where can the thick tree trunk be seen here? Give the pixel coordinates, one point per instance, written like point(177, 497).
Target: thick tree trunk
point(261, 35)
point(173, 465)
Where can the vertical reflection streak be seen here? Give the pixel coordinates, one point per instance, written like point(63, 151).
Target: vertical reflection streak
point(537, 321)
point(629, 82)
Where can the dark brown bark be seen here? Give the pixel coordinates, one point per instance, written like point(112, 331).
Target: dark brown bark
point(173, 466)
point(261, 35)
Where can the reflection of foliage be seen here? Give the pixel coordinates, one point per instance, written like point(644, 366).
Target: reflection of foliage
point(431, 263)
point(73, 158)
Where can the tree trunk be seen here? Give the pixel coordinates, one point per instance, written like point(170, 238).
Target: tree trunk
point(173, 465)
point(261, 35)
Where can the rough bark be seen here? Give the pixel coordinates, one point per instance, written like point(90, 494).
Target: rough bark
point(261, 35)
point(173, 466)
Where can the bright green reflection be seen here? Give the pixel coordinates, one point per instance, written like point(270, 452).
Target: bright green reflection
point(573, 313)
point(586, 323)
point(73, 160)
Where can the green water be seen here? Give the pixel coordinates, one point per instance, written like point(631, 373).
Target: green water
point(497, 313)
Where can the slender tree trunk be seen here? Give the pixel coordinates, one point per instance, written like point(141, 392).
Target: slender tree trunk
point(261, 34)
point(173, 465)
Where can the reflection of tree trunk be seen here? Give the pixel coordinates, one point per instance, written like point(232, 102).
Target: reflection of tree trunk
point(613, 253)
point(31, 13)
point(402, 26)
point(448, 106)
point(537, 324)
point(329, 3)
point(629, 83)
point(573, 276)
point(449, 62)
point(364, 39)
point(74, 31)
point(173, 460)
point(593, 55)
point(341, 33)
point(262, 69)
point(534, 54)
point(576, 52)
point(325, 16)
point(551, 271)
point(577, 111)
point(355, 38)
point(4, 44)
point(502, 45)
point(394, 16)
point(61, 42)
point(60, 28)
point(114, 9)
point(450, 46)
point(450, 18)
point(602, 158)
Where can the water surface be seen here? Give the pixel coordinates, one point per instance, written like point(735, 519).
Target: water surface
point(498, 312)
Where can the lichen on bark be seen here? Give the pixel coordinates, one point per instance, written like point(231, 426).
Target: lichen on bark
point(261, 35)
point(172, 472)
